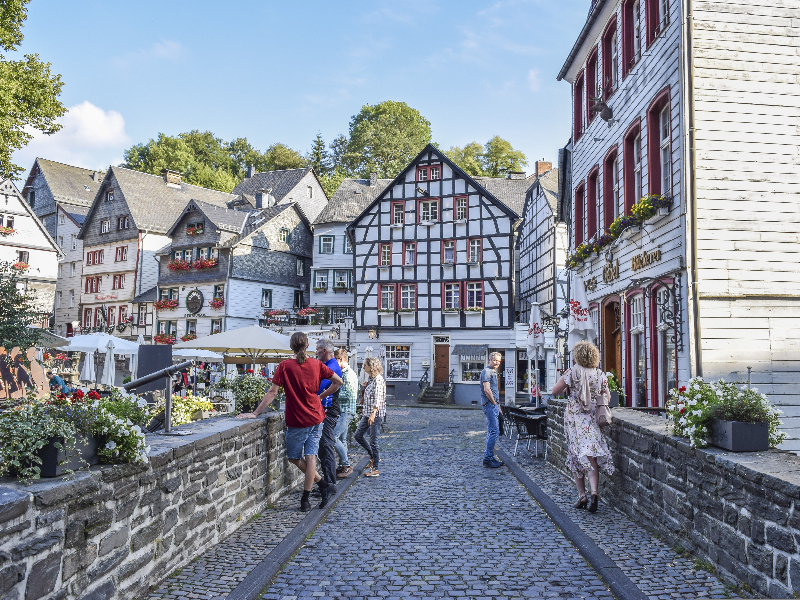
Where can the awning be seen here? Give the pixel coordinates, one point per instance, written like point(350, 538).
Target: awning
point(469, 349)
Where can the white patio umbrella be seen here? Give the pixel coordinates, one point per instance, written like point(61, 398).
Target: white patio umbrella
point(253, 342)
point(87, 373)
point(201, 355)
point(109, 370)
point(534, 342)
point(579, 325)
point(97, 342)
point(135, 358)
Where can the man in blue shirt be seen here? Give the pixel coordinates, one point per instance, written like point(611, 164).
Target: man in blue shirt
point(57, 384)
point(327, 444)
point(490, 404)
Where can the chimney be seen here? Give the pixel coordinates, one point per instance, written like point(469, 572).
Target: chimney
point(516, 174)
point(95, 176)
point(543, 167)
point(251, 170)
point(172, 178)
point(373, 179)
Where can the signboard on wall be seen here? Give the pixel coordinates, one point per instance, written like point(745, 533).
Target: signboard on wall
point(510, 378)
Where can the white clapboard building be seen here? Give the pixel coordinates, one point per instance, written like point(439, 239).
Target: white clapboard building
point(434, 276)
point(694, 102)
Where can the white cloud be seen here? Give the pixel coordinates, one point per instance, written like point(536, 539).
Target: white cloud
point(91, 137)
point(534, 80)
point(159, 51)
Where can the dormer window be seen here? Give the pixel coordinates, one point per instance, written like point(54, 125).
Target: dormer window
point(109, 196)
point(123, 223)
point(105, 226)
point(195, 228)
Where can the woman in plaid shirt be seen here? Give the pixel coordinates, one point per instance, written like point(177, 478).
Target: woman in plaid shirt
point(374, 412)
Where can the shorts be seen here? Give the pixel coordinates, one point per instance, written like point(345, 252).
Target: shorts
point(302, 441)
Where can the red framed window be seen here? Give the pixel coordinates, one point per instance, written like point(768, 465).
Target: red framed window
point(89, 256)
point(633, 165)
point(386, 255)
point(611, 188)
point(118, 282)
point(92, 285)
point(87, 317)
point(398, 213)
point(473, 294)
point(387, 296)
point(610, 59)
point(475, 250)
point(121, 254)
point(451, 296)
point(410, 253)
point(631, 35)
point(123, 313)
point(98, 317)
point(429, 173)
point(448, 252)
point(408, 296)
point(579, 197)
point(659, 145)
point(657, 17)
point(591, 85)
point(592, 203)
point(461, 208)
point(428, 210)
point(577, 107)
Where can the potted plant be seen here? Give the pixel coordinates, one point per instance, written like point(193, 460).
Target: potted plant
point(20, 266)
point(615, 388)
point(217, 303)
point(740, 423)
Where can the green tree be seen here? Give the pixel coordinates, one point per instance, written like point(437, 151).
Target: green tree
point(319, 158)
point(280, 156)
point(496, 158)
point(17, 309)
point(469, 158)
point(331, 181)
point(384, 138)
point(28, 90)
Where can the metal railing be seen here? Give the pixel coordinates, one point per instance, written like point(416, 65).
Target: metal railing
point(163, 373)
point(423, 381)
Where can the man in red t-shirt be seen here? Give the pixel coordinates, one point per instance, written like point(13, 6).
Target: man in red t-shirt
point(300, 378)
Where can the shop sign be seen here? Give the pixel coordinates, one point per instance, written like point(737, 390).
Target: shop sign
point(510, 379)
point(611, 271)
point(645, 259)
point(194, 316)
point(194, 301)
point(590, 284)
point(102, 297)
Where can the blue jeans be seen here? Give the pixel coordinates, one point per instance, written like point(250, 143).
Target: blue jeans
point(492, 428)
point(371, 444)
point(340, 438)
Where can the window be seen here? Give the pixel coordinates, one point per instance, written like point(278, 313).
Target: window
point(266, 298)
point(123, 223)
point(348, 249)
point(434, 173)
point(448, 252)
point(32, 199)
point(633, 166)
point(121, 254)
point(169, 294)
point(111, 315)
point(410, 254)
point(309, 191)
point(398, 359)
point(87, 317)
point(657, 16)
point(422, 174)
point(219, 291)
point(321, 279)
point(610, 60)
point(398, 213)
point(105, 226)
point(216, 325)
point(283, 236)
point(386, 255)
point(659, 146)
point(666, 152)
point(109, 196)
point(428, 210)
point(195, 228)
point(341, 278)
point(72, 269)
point(92, 285)
point(387, 297)
point(62, 219)
point(142, 314)
point(123, 313)
point(452, 296)
point(594, 315)
point(592, 91)
point(58, 299)
point(299, 300)
point(191, 327)
point(98, 317)
point(60, 271)
point(326, 244)
point(462, 208)
point(472, 366)
point(592, 205)
point(475, 250)
point(61, 241)
point(408, 296)
point(202, 253)
point(610, 188)
point(23, 256)
point(118, 282)
point(579, 193)
point(631, 35)
point(71, 299)
point(429, 173)
point(168, 327)
point(577, 107)
point(301, 269)
point(474, 294)
point(74, 241)
point(638, 352)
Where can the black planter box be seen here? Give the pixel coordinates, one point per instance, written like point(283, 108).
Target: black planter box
point(85, 448)
point(740, 437)
point(614, 402)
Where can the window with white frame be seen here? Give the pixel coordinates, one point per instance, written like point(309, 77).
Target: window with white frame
point(142, 314)
point(461, 208)
point(58, 299)
point(191, 327)
point(386, 255)
point(326, 244)
point(341, 278)
point(638, 352)
point(397, 362)
point(398, 213)
point(663, 14)
point(105, 226)
point(434, 173)
point(283, 236)
point(614, 59)
point(387, 297)
point(474, 294)
point(216, 325)
point(348, 249)
point(73, 241)
point(202, 253)
point(665, 147)
point(23, 256)
point(637, 167)
point(410, 257)
point(616, 188)
point(61, 241)
point(118, 282)
point(62, 219)
point(168, 327)
point(72, 269)
point(309, 191)
point(449, 252)
point(121, 254)
point(60, 271)
point(637, 31)
point(475, 250)
point(321, 279)
point(408, 296)
point(87, 317)
point(266, 298)
point(71, 298)
point(123, 222)
point(123, 313)
point(429, 210)
point(452, 296)
point(594, 314)
point(111, 316)
point(219, 291)
point(109, 196)
point(301, 269)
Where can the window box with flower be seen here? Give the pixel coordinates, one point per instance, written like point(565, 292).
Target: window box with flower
point(205, 263)
point(179, 265)
point(275, 316)
point(164, 338)
point(6, 231)
point(20, 266)
point(321, 289)
point(217, 303)
point(188, 337)
point(194, 230)
point(165, 304)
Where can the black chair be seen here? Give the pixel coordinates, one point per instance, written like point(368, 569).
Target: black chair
point(529, 427)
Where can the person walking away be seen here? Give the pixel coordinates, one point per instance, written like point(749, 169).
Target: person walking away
point(330, 403)
point(348, 395)
point(587, 451)
point(490, 396)
point(300, 377)
point(374, 412)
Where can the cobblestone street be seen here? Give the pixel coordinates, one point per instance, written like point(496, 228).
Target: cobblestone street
point(437, 524)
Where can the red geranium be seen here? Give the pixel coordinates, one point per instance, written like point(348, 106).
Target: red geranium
point(249, 371)
point(93, 395)
point(682, 389)
point(77, 395)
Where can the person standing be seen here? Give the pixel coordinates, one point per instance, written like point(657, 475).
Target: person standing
point(587, 451)
point(300, 377)
point(330, 403)
point(490, 404)
point(373, 414)
point(348, 395)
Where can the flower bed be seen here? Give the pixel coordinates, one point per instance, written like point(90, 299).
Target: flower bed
point(217, 303)
point(165, 304)
point(205, 263)
point(179, 265)
point(188, 337)
point(161, 338)
point(7, 231)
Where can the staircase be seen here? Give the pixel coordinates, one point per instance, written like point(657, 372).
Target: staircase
point(436, 393)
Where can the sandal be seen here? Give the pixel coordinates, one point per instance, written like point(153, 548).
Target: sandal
point(582, 502)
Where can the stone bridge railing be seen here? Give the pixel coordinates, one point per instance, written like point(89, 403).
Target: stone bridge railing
point(114, 531)
point(740, 511)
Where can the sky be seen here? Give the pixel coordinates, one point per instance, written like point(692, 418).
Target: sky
point(285, 71)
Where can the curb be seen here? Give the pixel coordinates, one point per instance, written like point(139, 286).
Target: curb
point(259, 578)
point(621, 587)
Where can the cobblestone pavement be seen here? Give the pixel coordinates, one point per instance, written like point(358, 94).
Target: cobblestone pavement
point(436, 524)
point(658, 570)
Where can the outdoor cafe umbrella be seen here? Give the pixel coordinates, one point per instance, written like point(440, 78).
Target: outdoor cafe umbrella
point(98, 342)
point(135, 358)
point(109, 370)
point(201, 355)
point(253, 342)
point(87, 373)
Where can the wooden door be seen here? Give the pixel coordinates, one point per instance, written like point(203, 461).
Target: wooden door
point(612, 339)
point(441, 363)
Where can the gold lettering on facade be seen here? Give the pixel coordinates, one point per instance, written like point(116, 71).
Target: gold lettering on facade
point(611, 272)
point(645, 259)
point(591, 284)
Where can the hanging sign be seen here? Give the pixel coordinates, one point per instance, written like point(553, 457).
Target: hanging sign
point(194, 301)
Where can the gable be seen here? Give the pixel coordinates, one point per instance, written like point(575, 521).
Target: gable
point(10, 190)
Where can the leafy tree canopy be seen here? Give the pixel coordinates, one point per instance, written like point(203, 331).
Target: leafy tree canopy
point(17, 309)
point(28, 90)
point(496, 158)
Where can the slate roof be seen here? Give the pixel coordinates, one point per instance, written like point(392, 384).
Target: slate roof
point(258, 218)
point(68, 183)
point(510, 192)
point(79, 219)
point(150, 295)
point(280, 182)
point(345, 205)
point(222, 217)
point(549, 184)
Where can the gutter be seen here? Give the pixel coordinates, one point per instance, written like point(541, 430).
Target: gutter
point(595, 12)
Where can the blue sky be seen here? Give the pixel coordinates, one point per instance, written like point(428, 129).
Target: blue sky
point(281, 72)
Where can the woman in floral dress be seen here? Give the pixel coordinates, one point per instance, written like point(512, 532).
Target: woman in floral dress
point(587, 451)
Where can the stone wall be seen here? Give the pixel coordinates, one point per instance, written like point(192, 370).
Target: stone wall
point(740, 511)
point(114, 531)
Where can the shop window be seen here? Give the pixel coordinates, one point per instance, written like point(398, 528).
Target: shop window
point(326, 244)
point(659, 146)
point(610, 60)
point(410, 254)
point(577, 107)
point(633, 166)
point(579, 193)
point(471, 367)
point(408, 296)
point(592, 204)
point(397, 362)
point(638, 352)
point(398, 213)
point(631, 35)
point(592, 89)
point(462, 208)
point(448, 252)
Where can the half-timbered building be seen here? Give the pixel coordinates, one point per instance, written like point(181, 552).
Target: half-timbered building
point(687, 102)
point(434, 275)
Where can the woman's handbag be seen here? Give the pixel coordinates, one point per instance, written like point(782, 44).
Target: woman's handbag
point(602, 412)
